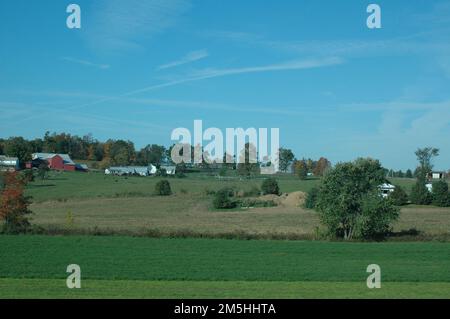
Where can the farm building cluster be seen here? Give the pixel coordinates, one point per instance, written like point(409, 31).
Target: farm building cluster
point(140, 170)
point(387, 188)
point(63, 162)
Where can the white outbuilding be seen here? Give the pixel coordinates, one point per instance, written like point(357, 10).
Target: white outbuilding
point(386, 189)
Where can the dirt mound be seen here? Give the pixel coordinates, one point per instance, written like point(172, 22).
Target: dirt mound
point(294, 199)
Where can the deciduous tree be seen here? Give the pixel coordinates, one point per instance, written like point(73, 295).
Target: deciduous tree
point(321, 166)
point(301, 169)
point(286, 157)
point(425, 156)
point(14, 204)
point(349, 200)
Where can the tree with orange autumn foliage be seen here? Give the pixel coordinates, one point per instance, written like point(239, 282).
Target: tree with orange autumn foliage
point(14, 204)
point(322, 166)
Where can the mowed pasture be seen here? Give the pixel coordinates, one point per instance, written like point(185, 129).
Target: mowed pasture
point(136, 267)
point(127, 204)
point(62, 186)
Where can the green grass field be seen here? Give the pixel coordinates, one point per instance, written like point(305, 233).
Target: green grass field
point(144, 267)
point(75, 185)
point(127, 205)
point(34, 266)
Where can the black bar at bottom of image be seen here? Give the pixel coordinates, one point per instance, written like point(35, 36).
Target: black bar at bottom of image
point(229, 308)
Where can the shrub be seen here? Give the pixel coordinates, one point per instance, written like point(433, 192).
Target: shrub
point(420, 195)
point(311, 198)
point(162, 188)
point(27, 176)
point(253, 191)
point(180, 174)
point(377, 214)
point(270, 186)
point(399, 196)
point(209, 192)
point(256, 203)
point(441, 196)
point(223, 199)
point(161, 172)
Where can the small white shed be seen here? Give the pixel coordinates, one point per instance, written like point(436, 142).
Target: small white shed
point(386, 189)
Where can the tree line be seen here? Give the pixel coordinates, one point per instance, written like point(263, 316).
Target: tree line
point(123, 152)
point(111, 152)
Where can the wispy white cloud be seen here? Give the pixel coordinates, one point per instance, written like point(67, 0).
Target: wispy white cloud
point(214, 73)
point(403, 126)
point(188, 58)
point(285, 66)
point(118, 25)
point(86, 63)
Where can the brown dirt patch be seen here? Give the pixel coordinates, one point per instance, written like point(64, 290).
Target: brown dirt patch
point(294, 199)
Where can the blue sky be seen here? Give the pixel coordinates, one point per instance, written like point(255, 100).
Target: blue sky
point(139, 69)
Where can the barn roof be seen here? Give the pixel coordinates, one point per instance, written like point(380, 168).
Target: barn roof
point(386, 186)
point(66, 158)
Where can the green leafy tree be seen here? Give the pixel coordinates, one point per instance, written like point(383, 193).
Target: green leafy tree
point(441, 196)
point(409, 174)
point(247, 165)
point(122, 152)
point(425, 156)
point(311, 198)
point(18, 147)
point(399, 196)
point(349, 200)
point(420, 195)
point(270, 186)
point(377, 215)
point(286, 157)
point(43, 170)
point(301, 169)
point(151, 154)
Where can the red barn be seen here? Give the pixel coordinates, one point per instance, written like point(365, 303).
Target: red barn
point(56, 162)
point(61, 162)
